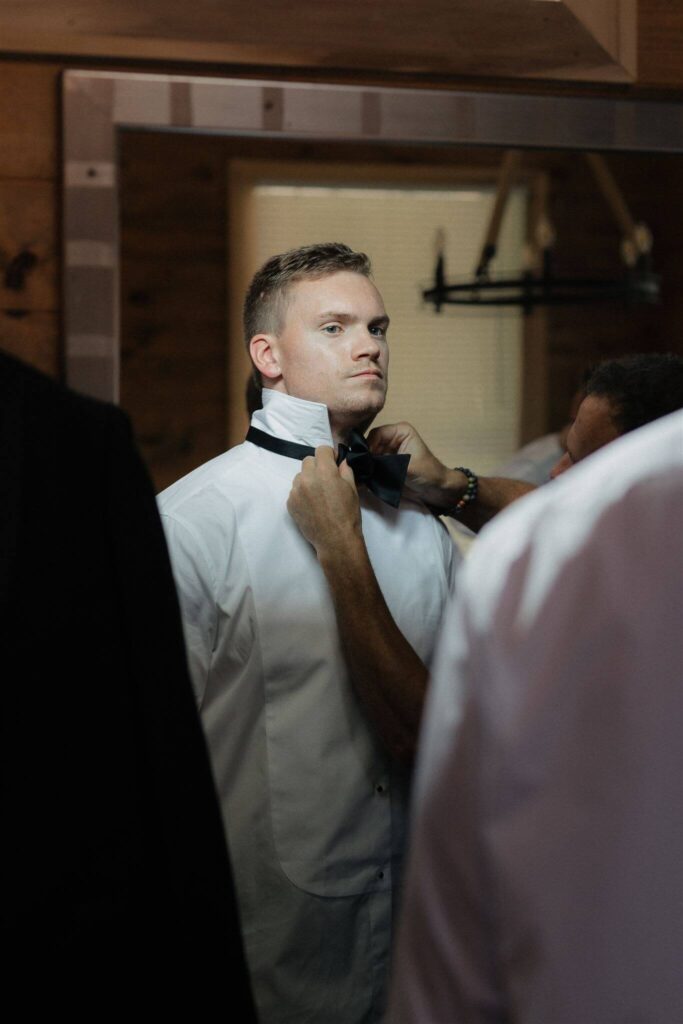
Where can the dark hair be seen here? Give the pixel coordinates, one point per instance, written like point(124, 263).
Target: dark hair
point(639, 388)
point(253, 396)
point(263, 304)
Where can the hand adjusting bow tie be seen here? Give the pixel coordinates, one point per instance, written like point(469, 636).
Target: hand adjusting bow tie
point(383, 474)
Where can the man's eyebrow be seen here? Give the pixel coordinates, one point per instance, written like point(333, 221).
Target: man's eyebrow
point(333, 314)
point(349, 318)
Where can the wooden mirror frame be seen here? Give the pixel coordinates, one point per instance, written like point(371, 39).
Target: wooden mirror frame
point(97, 104)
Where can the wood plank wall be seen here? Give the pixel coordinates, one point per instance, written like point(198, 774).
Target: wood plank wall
point(588, 243)
point(173, 299)
point(29, 175)
point(660, 43)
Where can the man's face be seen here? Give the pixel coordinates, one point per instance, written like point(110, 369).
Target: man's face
point(592, 428)
point(332, 347)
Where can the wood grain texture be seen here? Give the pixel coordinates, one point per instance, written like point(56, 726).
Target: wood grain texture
point(464, 37)
point(613, 25)
point(33, 337)
point(660, 43)
point(173, 292)
point(29, 126)
point(28, 240)
point(588, 242)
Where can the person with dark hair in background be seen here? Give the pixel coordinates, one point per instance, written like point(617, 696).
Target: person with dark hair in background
point(311, 701)
point(117, 887)
point(622, 395)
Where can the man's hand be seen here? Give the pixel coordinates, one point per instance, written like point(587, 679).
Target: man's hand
point(388, 676)
point(324, 503)
point(428, 479)
point(438, 486)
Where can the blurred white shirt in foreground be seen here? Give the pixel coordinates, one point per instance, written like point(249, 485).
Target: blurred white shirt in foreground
point(546, 877)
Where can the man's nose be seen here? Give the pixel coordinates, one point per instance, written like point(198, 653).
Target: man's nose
point(366, 344)
point(561, 466)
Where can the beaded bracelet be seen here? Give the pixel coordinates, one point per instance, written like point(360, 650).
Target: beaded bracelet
point(470, 494)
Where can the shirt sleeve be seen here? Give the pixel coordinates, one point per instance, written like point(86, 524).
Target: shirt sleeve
point(545, 850)
point(195, 584)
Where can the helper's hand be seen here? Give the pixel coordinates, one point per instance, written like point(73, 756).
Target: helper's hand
point(428, 479)
point(324, 503)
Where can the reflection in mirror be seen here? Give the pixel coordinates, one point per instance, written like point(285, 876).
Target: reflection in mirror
point(161, 163)
point(200, 213)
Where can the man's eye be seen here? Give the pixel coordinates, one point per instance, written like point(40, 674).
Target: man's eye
point(378, 332)
point(331, 328)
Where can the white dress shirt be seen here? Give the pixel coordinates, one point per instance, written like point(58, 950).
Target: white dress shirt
point(315, 817)
point(545, 883)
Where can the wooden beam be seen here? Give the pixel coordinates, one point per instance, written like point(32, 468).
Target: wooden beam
point(519, 38)
point(614, 25)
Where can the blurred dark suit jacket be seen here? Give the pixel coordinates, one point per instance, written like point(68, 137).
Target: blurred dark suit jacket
point(115, 875)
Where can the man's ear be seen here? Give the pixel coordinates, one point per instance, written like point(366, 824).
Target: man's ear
point(263, 352)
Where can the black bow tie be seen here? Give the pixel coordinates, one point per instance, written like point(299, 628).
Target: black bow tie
point(383, 474)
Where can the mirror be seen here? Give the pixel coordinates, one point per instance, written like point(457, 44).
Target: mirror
point(155, 174)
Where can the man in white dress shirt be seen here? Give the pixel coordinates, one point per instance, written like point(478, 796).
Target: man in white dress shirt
point(546, 877)
point(309, 706)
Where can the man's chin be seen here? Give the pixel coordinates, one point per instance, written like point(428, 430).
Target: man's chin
point(362, 418)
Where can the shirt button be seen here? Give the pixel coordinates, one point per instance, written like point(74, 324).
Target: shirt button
point(380, 874)
point(379, 788)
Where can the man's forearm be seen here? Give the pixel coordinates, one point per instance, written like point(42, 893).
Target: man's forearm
point(493, 495)
point(387, 675)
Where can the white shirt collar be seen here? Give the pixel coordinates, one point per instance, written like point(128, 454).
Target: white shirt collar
point(293, 419)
